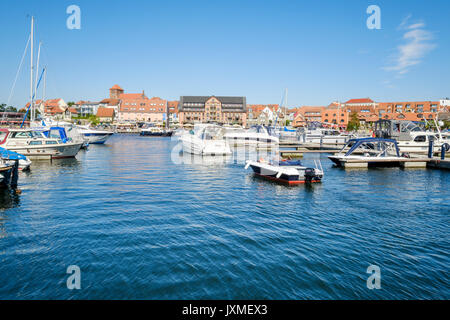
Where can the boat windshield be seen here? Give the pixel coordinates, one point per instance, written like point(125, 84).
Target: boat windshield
point(212, 133)
point(36, 134)
point(257, 129)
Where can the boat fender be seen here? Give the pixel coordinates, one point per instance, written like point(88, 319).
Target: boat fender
point(446, 147)
point(406, 155)
point(247, 165)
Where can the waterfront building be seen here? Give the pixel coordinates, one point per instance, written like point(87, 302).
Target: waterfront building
point(172, 110)
point(137, 107)
point(12, 118)
point(87, 108)
point(307, 114)
point(105, 114)
point(264, 114)
point(369, 111)
point(335, 115)
point(223, 110)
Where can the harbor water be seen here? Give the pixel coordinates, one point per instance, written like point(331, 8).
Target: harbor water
point(140, 226)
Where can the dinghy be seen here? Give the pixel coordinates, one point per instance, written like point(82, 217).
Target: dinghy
point(287, 172)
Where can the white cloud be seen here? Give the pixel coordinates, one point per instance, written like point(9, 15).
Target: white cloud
point(418, 42)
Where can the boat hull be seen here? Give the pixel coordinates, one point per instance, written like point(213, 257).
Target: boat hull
point(67, 150)
point(291, 176)
point(96, 138)
point(156, 134)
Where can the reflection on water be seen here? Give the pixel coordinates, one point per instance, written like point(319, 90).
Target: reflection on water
point(8, 199)
point(142, 226)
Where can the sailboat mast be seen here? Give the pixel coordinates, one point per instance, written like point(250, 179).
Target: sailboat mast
point(45, 84)
point(285, 106)
point(31, 68)
point(33, 114)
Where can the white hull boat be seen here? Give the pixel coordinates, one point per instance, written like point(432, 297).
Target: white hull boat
point(257, 136)
point(33, 144)
point(206, 140)
point(94, 136)
point(290, 174)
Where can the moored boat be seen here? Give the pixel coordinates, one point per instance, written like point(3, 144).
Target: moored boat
point(34, 144)
point(205, 140)
point(371, 151)
point(258, 136)
point(155, 132)
point(291, 173)
point(9, 168)
point(94, 136)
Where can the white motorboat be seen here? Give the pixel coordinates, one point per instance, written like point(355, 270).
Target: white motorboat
point(34, 144)
point(94, 136)
point(154, 131)
point(205, 140)
point(71, 131)
point(411, 136)
point(324, 136)
point(288, 172)
point(258, 136)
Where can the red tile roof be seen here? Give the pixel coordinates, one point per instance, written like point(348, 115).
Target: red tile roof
point(111, 102)
point(365, 100)
point(116, 87)
point(103, 112)
point(125, 96)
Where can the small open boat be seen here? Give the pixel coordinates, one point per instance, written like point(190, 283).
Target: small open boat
point(288, 172)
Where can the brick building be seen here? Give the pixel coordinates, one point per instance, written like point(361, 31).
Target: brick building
point(224, 110)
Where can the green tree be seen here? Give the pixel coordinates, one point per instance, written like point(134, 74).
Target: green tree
point(10, 109)
point(70, 103)
point(353, 124)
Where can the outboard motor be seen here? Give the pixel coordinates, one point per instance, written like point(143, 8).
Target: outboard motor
point(310, 175)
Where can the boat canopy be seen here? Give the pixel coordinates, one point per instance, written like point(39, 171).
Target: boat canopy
point(372, 143)
point(56, 132)
point(11, 155)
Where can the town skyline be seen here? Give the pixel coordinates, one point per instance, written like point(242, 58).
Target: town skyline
point(152, 49)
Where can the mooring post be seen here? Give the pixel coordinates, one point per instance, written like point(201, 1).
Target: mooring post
point(15, 174)
point(444, 148)
point(430, 148)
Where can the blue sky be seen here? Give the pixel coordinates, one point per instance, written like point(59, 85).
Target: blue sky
point(320, 50)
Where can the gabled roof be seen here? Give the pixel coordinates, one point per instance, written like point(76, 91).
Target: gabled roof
point(103, 112)
point(130, 96)
point(364, 100)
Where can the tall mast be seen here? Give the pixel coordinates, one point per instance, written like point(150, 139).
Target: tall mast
point(31, 62)
point(45, 84)
point(285, 106)
point(33, 114)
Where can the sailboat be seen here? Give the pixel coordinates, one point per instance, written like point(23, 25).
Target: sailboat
point(32, 143)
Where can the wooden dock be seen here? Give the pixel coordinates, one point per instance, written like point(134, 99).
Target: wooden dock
point(437, 163)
